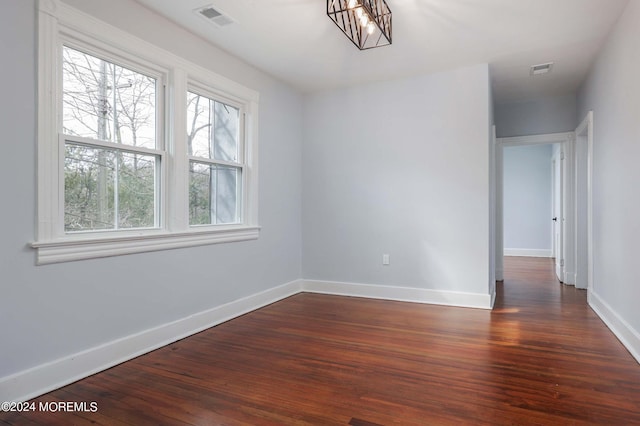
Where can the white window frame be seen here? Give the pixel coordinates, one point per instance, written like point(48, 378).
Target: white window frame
point(202, 90)
point(60, 24)
point(119, 58)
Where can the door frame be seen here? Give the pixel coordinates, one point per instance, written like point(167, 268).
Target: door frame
point(557, 211)
point(584, 135)
point(566, 140)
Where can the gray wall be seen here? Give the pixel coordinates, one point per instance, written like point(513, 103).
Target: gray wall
point(48, 312)
point(399, 167)
point(527, 197)
point(612, 91)
point(546, 115)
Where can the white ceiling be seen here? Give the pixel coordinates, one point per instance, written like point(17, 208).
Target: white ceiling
point(295, 41)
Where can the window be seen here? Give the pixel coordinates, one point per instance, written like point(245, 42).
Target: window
point(111, 163)
point(215, 161)
point(138, 149)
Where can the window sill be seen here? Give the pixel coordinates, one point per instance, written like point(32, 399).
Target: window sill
point(70, 249)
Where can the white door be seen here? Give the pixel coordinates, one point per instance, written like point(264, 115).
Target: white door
point(558, 169)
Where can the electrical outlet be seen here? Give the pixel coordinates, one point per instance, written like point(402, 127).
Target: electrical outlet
point(385, 259)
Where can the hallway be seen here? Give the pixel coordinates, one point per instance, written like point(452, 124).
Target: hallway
point(564, 347)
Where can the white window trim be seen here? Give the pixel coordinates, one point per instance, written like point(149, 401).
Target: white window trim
point(242, 163)
point(57, 21)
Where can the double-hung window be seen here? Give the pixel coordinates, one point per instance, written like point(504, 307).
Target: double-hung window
point(214, 132)
point(138, 148)
point(112, 145)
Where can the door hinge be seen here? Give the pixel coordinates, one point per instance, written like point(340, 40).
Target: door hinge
point(562, 155)
point(561, 262)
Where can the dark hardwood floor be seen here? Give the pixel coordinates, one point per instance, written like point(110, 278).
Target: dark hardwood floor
point(541, 357)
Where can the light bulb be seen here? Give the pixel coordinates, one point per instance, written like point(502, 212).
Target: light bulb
point(371, 28)
point(359, 13)
point(351, 4)
point(364, 20)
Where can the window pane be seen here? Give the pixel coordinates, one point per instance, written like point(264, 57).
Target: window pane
point(88, 188)
point(225, 182)
point(198, 125)
point(213, 194)
point(107, 189)
point(213, 129)
point(105, 101)
point(199, 194)
point(226, 125)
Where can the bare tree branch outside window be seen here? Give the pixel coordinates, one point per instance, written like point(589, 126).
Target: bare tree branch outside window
point(108, 188)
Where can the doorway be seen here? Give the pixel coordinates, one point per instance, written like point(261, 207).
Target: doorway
point(573, 209)
point(527, 191)
point(564, 245)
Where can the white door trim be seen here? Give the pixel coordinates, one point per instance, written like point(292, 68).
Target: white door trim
point(497, 178)
point(585, 129)
point(564, 138)
point(536, 139)
point(559, 202)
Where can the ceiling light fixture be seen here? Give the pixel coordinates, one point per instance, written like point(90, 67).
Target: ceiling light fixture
point(367, 23)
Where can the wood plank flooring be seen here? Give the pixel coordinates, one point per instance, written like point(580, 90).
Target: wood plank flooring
point(541, 357)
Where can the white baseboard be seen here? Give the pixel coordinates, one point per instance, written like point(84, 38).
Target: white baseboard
point(528, 252)
point(403, 294)
point(47, 377)
point(629, 337)
point(44, 378)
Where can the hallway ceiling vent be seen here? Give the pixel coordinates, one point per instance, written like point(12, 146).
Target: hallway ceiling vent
point(215, 16)
point(541, 69)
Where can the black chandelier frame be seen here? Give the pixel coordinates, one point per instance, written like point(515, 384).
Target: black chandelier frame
point(346, 18)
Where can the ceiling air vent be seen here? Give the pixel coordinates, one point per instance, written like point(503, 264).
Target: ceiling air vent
point(215, 16)
point(541, 69)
